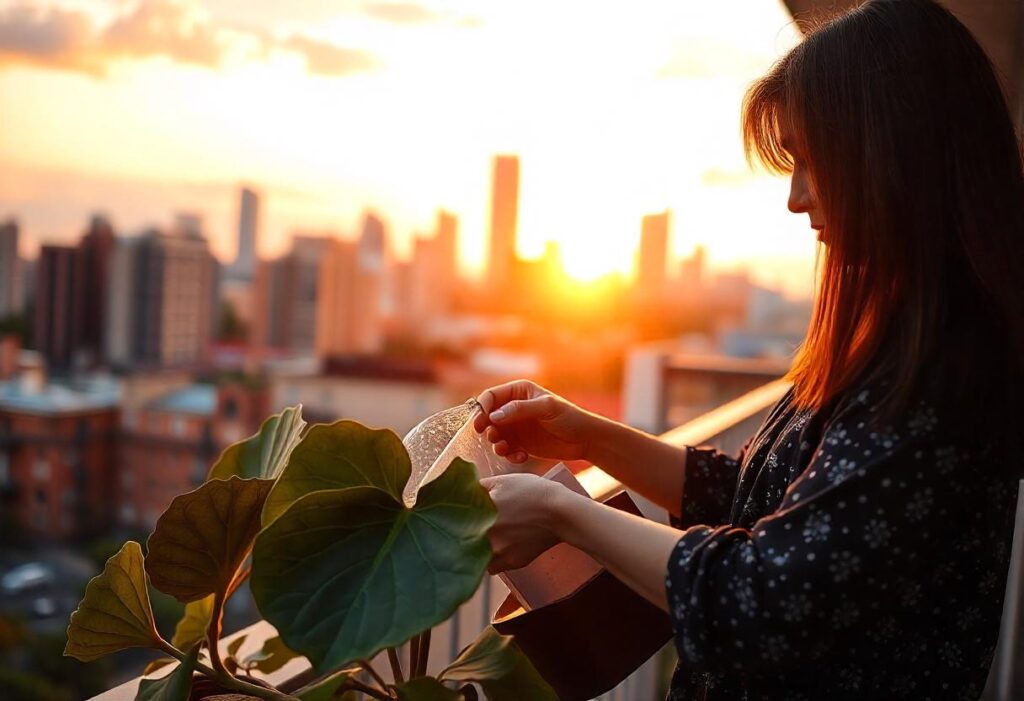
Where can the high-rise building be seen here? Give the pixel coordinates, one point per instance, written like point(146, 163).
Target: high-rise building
point(504, 214)
point(57, 288)
point(10, 270)
point(244, 267)
point(653, 255)
point(286, 296)
point(95, 252)
point(433, 272)
point(350, 316)
point(167, 316)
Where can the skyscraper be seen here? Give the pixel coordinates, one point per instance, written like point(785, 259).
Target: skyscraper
point(350, 316)
point(244, 267)
point(650, 282)
point(95, 252)
point(57, 282)
point(504, 213)
point(10, 270)
point(168, 316)
point(286, 296)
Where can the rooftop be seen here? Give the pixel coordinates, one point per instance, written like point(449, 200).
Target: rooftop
point(199, 399)
point(34, 394)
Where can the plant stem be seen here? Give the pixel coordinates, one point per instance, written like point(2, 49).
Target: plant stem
point(424, 652)
point(396, 666)
point(368, 690)
point(226, 680)
point(414, 655)
point(365, 664)
point(213, 633)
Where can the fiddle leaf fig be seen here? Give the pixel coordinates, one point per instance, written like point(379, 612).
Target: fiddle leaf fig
point(176, 686)
point(203, 537)
point(115, 613)
point(497, 664)
point(343, 454)
point(343, 573)
point(264, 454)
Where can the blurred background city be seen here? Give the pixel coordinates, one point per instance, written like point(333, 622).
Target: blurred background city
point(213, 210)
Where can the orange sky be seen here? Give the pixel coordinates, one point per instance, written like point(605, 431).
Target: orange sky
point(329, 107)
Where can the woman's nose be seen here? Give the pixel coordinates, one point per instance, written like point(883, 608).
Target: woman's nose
point(799, 195)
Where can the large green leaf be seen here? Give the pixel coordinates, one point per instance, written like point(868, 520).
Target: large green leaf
point(115, 613)
point(271, 657)
point(343, 454)
point(427, 689)
point(496, 663)
point(203, 537)
point(191, 629)
point(265, 453)
point(176, 686)
point(344, 573)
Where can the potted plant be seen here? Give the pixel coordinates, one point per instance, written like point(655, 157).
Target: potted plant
point(336, 562)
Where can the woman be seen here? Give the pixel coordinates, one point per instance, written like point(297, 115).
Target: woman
point(859, 544)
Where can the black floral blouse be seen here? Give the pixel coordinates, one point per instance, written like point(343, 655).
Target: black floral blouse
point(836, 560)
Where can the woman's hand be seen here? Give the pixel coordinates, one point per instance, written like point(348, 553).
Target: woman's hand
point(523, 420)
point(527, 523)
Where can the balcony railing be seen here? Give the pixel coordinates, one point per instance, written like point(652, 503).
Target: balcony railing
point(725, 428)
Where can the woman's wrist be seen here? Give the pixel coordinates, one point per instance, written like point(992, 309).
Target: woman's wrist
point(563, 513)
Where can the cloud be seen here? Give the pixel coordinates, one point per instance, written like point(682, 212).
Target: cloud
point(323, 58)
point(176, 30)
point(401, 12)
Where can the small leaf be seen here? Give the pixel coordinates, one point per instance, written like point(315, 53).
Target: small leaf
point(324, 689)
point(235, 644)
point(271, 657)
point(191, 629)
point(344, 573)
point(427, 689)
point(343, 454)
point(176, 686)
point(158, 663)
point(203, 537)
point(264, 454)
point(497, 664)
point(115, 613)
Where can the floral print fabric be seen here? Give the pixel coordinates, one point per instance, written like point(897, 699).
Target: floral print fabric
point(836, 559)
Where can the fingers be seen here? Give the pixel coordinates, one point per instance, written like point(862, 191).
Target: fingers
point(496, 397)
point(503, 448)
point(521, 409)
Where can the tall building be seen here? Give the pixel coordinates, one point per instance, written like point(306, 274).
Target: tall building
point(10, 270)
point(504, 213)
point(350, 316)
point(56, 308)
point(244, 267)
point(653, 255)
point(433, 273)
point(95, 252)
point(163, 299)
point(286, 294)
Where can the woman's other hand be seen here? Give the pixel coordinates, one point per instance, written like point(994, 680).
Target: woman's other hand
point(527, 523)
point(524, 420)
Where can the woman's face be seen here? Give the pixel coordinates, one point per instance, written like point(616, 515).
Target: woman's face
point(802, 197)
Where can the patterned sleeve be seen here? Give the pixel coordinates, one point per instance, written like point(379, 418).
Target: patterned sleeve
point(708, 487)
point(867, 509)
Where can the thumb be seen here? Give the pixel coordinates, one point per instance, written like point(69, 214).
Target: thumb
point(522, 409)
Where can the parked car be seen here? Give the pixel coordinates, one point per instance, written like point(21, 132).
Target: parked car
point(28, 576)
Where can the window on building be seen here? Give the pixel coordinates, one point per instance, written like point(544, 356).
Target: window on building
point(230, 408)
point(41, 468)
point(5, 469)
point(178, 426)
point(40, 496)
point(128, 514)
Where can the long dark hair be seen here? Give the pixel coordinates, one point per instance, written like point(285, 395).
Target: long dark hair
point(900, 117)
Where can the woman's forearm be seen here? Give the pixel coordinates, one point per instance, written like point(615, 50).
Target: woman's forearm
point(632, 548)
point(639, 460)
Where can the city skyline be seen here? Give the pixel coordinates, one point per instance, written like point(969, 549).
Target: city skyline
point(603, 137)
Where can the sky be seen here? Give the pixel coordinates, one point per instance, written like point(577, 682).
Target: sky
point(330, 108)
